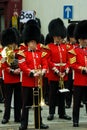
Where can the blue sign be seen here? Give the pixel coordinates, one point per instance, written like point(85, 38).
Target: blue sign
point(68, 12)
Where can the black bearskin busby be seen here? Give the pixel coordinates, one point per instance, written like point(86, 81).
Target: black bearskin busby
point(81, 30)
point(9, 36)
point(31, 32)
point(70, 30)
point(48, 39)
point(56, 28)
point(31, 22)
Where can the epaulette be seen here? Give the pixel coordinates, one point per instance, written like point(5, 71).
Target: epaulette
point(43, 46)
point(72, 60)
point(68, 46)
point(72, 51)
point(21, 53)
point(22, 44)
point(43, 54)
point(64, 42)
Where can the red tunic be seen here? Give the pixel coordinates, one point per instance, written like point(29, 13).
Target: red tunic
point(58, 59)
point(78, 60)
point(31, 61)
point(7, 76)
point(44, 49)
point(70, 46)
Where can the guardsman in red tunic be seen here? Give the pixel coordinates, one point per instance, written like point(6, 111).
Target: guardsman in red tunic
point(45, 49)
point(33, 65)
point(11, 74)
point(71, 43)
point(58, 69)
point(78, 61)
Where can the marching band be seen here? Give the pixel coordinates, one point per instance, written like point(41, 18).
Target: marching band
point(61, 62)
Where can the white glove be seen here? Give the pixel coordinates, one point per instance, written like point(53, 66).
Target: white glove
point(55, 70)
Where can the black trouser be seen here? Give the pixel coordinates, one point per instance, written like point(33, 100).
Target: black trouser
point(56, 99)
point(46, 89)
point(2, 95)
point(27, 95)
point(9, 89)
point(79, 91)
point(70, 87)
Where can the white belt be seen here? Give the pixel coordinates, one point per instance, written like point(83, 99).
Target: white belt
point(59, 64)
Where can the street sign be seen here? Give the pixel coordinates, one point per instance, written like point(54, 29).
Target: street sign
point(68, 12)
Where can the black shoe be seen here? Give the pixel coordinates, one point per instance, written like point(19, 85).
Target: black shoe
point(75, 125)
point(4, 121)
point(43, 126)
point(17, 121)
point(22, 128)
point(50, 117)
point(66, 117)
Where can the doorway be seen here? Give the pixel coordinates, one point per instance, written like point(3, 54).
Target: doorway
point(2, 20)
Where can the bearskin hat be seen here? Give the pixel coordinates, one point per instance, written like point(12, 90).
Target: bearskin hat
point(70, 30)
point(31, 32)
point(48, 39)
point(32, 21)
point(81, 30)
point(9, 36)
point(56, 28)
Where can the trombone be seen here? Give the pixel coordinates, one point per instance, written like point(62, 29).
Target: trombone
point(42, 102)
point(38, 100)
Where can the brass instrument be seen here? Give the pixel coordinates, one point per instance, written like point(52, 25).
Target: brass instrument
point(61, 85)
point(38, 100)
point(42, 102)
point(37, 94)
point(61, 82)
point(9, 56)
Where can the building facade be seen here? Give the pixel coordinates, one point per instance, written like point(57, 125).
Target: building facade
point(7, 8)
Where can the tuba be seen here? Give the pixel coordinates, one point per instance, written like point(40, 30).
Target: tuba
point(9, 56)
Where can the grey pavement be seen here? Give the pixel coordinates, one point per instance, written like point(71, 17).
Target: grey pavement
point(56, 124)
